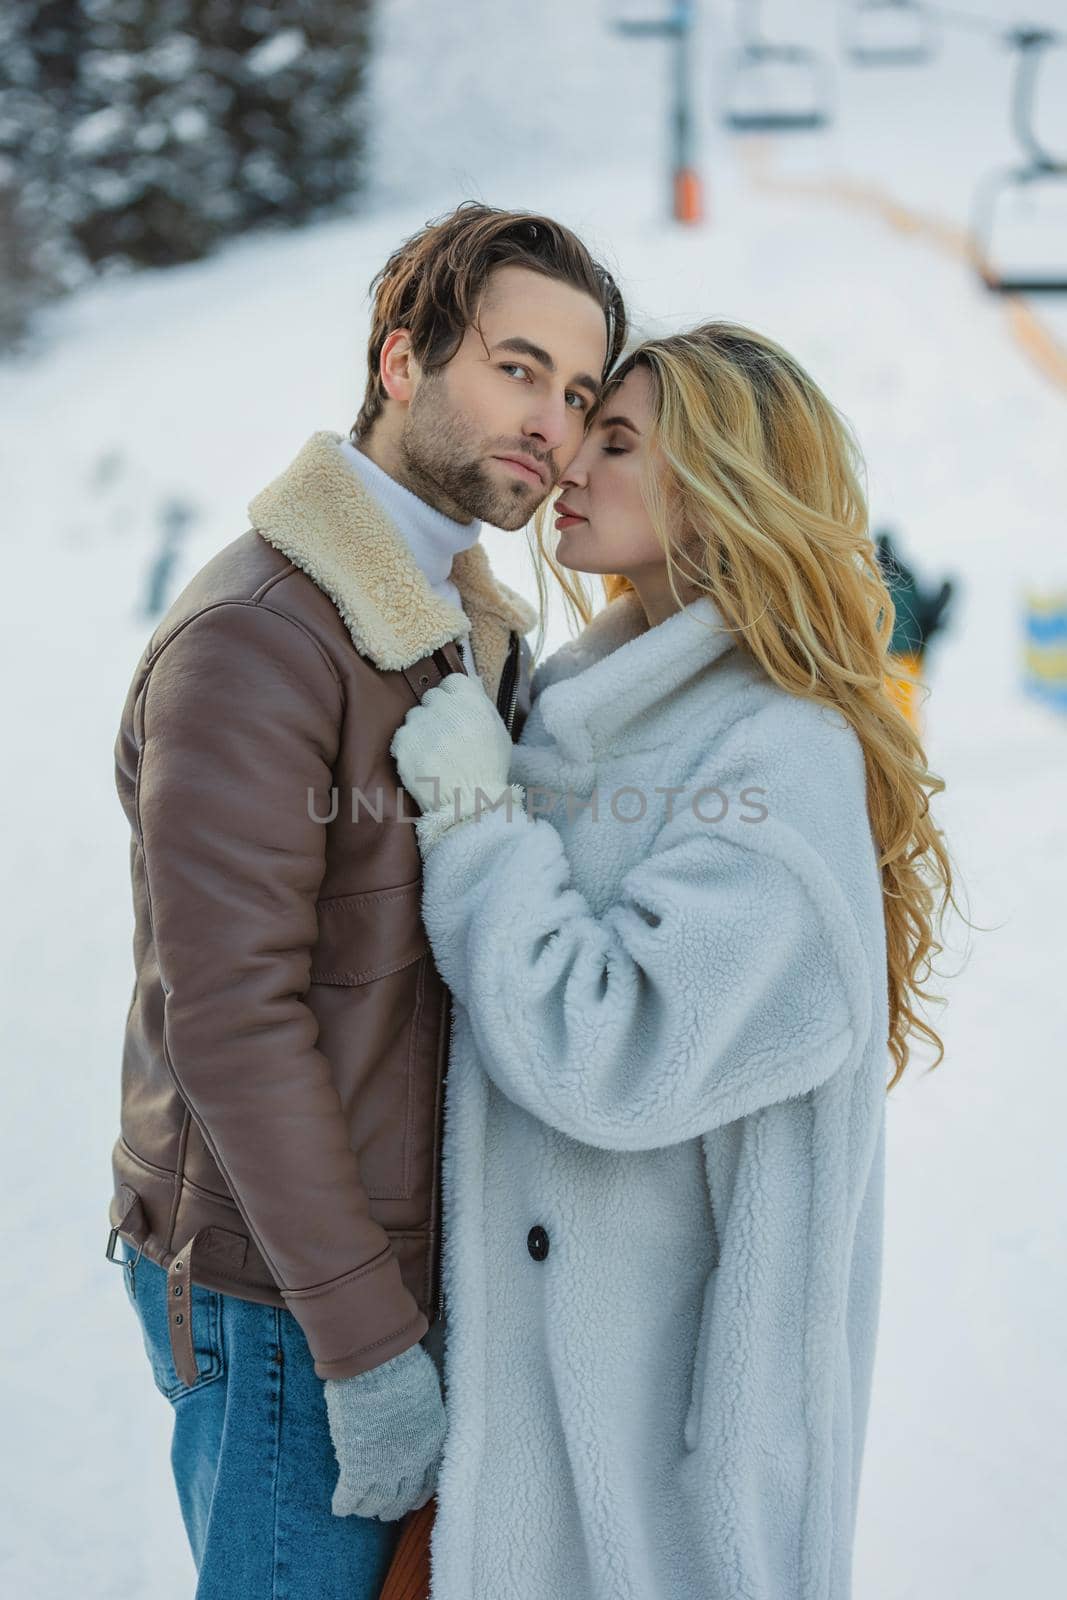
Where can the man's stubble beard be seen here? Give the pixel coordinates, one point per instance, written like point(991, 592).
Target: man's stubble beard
point(443, 461)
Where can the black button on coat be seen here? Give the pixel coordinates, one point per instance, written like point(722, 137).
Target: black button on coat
point(537, 1242)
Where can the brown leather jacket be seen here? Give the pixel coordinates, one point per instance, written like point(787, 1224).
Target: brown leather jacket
point(287, 1037)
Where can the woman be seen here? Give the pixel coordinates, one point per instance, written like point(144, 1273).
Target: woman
point(681, 949)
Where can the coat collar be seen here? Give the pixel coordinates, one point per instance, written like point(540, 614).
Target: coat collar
point(320, 515)
point(595, 694)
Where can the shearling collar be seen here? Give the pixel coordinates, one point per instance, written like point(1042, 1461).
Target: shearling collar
point(600, 691)
point(320, 515)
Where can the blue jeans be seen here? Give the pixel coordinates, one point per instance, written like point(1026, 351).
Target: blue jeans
point(251, 1453)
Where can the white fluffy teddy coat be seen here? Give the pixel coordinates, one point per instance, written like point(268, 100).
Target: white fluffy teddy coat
point(664, 1135)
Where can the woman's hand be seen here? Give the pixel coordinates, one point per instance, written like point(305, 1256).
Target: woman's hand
point(448, 748)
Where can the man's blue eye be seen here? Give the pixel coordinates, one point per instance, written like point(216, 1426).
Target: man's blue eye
point(516, 366)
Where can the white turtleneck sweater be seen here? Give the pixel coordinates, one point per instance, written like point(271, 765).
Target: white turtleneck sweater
point(432, 538)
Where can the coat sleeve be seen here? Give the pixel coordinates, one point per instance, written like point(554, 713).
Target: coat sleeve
point(728, 975)
point(241, 724)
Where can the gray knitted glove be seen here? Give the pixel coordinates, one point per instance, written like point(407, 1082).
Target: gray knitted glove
point(388, 1430)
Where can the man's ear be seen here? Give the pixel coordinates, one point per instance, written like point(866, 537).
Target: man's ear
point(398, 367)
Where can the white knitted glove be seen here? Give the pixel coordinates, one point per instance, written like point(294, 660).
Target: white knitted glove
point(450, 746)
point(388, 1430)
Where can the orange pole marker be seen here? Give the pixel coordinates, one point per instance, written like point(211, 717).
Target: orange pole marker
point(688, 196)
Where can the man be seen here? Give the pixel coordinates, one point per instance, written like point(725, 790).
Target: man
point(277, 1176)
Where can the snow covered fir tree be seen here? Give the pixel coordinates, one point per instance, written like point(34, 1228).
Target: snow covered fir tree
point(135, 133)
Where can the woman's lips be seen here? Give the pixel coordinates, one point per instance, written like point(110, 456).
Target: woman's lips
point(565, 517)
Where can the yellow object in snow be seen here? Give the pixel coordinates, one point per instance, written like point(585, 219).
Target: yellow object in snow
point(1045, 646)
point(904, 690)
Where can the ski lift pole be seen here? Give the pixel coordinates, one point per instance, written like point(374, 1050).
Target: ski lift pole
point(688, 199)
point(677, 26)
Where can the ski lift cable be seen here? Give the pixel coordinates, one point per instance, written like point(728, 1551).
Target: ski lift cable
point(1006, 32)
point(962, 19)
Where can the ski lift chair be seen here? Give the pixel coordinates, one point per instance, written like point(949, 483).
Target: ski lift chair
point(888, 33)
point(1019, 220)
point(775, 88)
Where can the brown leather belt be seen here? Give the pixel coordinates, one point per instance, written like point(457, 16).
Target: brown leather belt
point(227, 1250)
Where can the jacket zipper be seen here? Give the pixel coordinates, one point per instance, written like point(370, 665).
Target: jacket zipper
point(510, 686)
point(512, 667)
point(446, 1022)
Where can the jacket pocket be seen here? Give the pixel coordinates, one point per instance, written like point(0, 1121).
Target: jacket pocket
point(362, 937)
point(148, 1297)
point(377, 998)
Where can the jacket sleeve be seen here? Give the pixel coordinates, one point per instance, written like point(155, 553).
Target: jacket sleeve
point(241, 724)
point(728, 975)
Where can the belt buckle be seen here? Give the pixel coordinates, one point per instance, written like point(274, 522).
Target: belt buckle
point(110, 1252)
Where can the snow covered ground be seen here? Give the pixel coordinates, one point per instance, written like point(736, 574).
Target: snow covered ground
point(194, 386)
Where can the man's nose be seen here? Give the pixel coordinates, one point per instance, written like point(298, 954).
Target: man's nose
point(550, 423)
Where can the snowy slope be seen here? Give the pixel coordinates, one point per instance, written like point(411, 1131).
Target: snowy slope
point(199, 383)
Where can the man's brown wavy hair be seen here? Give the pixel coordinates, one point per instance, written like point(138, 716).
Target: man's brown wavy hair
point(433, 284)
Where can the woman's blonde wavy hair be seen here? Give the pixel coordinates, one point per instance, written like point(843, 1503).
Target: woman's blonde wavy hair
point(760, 507)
